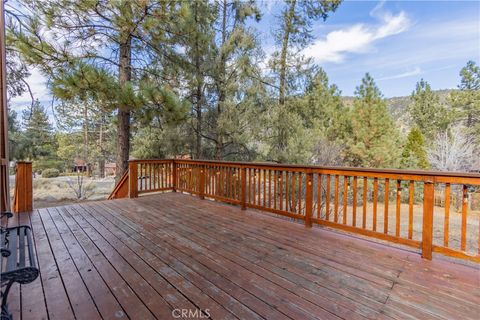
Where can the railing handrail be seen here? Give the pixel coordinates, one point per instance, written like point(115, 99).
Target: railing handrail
point(420, 173)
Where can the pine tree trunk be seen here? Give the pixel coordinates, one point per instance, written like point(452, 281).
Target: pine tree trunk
point(198, 133)
point(101, 161)
point(123, 116)
point(101, 167)
point(221, 86)
point(283, 54)
point(85, 139)
point(199, 95)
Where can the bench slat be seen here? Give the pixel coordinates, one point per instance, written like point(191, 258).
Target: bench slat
point(12, 246)
point(21, 247)
point(31, 254)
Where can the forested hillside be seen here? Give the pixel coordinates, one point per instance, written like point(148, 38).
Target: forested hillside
point(398, 106)
point(160, 79)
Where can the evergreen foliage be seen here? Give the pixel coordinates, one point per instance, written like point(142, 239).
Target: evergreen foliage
point(426, 111)
point(414, 155)
point(40, 145)
point(161, 79)
point(374, 141)
point(466, 102)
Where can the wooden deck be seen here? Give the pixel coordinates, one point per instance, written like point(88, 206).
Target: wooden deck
point(144, 258)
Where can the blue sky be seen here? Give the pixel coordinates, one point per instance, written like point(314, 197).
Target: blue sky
point(398, 42)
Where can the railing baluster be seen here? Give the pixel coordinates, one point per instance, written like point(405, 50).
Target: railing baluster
point(150, 176)
point(319, 195)
point(385, 208)
point(275, 178)
point(202, 182)
point(411, 194)
point(250, 189)
point(269, 188)
point(264, 187)
point(259, 193)
point(463, 241)
point(375, 195)
point(243, 192)
point(300, 195)
point(345, 198)
point(327, 199)
point(308, 199)
point(280, 181)
point(354, 202)
point(364, 217)
point(335, 212)
point(292, 202)
point(287, 190)
point(174, 176)
point(446, 225)
point(397, 209)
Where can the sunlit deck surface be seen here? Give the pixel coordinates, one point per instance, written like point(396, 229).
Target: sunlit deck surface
point(142, 258)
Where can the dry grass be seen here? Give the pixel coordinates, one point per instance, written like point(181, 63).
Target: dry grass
point(48, 192)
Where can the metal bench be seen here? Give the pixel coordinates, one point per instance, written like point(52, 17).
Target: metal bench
point(18, 263)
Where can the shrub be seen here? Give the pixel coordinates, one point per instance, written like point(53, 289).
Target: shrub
point(50, 173)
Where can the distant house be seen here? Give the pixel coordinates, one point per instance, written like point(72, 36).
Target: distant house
point(110, 169)
point(79, 165)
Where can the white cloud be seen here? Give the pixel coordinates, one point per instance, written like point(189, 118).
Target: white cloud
point(357, 38)
point(415, 72)
point(377, 9)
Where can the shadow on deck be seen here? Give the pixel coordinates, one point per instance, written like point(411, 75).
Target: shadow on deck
point(160, 255)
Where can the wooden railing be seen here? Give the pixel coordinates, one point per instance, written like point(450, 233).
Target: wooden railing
point(392, 205)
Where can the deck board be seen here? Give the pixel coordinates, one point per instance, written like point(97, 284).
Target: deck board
point(143, 258)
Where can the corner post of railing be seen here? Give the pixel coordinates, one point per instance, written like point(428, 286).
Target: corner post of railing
point(132, 179)
point(174, 176)
point(243, 181)
point(427, 229)
point(23, 196)
point(309, 198)
point(201, 188)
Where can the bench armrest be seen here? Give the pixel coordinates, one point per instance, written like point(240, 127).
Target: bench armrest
point(6, 214)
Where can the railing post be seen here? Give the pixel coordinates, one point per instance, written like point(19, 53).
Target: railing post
point(243, 195)
point(174, 176)
point(132, 179)
point(23, 200)
point(427, 229)
point(309, 200)
point(201, 188)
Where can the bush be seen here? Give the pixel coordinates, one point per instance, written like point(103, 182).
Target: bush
point(50, 173)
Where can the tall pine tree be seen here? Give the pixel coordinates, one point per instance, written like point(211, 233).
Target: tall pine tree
point(426, 111)
point(291, 72)
point(466, 101)
point(38, 132)
point(374, 141)
point(122, 38)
